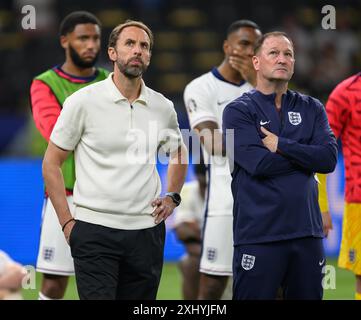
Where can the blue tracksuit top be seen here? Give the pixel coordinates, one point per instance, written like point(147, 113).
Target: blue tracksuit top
point(276, 194)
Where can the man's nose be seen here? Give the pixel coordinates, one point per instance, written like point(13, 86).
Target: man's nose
point(91, 44)
point(282, 58)
point(137, 50)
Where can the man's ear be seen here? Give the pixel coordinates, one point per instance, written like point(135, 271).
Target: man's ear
point(112, 53)
point(64, 42)
point(255, 61)
point(225, 47)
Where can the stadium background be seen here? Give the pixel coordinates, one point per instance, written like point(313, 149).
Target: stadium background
point(188, 42)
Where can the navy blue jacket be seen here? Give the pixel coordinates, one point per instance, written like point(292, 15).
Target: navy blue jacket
point(276, 194)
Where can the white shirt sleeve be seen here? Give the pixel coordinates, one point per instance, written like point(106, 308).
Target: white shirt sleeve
point(198, 98)
point(70, 124)
point(171, 138)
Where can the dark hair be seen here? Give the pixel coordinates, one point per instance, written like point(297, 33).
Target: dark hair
point(77, 17)
point(241, 24)
point(261, 40)
point(129, 23)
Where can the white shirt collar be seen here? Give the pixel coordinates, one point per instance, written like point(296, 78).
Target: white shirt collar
point(117, 95)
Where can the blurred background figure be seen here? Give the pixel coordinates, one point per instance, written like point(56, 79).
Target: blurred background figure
point(188, 222)
point(205, 99)
point(11, 278)
point(344, 115)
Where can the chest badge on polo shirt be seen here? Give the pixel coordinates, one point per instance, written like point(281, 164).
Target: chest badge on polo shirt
point(295, 118)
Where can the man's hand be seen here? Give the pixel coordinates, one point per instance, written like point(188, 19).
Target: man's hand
point(164, 208)
point(68, 229)
point(270, 141)
point(327, 222)
point(243, 64)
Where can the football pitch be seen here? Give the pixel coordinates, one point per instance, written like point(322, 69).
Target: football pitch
point(170, 285)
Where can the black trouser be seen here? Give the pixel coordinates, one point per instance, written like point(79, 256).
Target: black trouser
point(113, 264)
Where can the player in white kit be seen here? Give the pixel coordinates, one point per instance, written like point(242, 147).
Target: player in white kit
point(205, 99)
point(188, 221)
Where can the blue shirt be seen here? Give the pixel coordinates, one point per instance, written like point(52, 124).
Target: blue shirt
point(276, 194)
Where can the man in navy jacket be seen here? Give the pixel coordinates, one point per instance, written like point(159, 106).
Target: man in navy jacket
point(281, 139)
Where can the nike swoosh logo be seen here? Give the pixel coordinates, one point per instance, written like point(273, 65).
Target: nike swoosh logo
point(262, 123)
point(321, 262)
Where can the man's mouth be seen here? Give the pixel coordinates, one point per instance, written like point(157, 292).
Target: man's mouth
point(136, 61)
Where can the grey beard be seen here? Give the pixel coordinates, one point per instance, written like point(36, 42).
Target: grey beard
point(131, 72)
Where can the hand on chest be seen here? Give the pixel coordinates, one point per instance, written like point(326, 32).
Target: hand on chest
point(292, 124)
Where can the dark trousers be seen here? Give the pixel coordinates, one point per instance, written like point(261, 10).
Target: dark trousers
point(113, 264)
point(260, 270)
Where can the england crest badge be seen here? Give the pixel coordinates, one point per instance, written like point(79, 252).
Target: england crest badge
point(294, 118)
point(248, 261)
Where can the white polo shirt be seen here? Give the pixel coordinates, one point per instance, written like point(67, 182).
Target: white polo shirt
point(115, 146)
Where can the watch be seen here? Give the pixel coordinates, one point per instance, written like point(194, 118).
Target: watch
point(175, 197)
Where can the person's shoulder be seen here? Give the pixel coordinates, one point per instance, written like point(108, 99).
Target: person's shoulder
point(158, 99)
point(45, 74)
point(92, 90)
point(351, 85)
point(203, 82)
point(354, 79)
point(90, 93)
point(103, 72)
point(306, 100)
point(243, 102)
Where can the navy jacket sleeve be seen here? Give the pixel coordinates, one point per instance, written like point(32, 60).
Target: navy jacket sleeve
point(247, 149)
point(320, 154)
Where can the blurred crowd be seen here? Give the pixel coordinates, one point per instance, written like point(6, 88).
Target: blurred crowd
point(188, 42)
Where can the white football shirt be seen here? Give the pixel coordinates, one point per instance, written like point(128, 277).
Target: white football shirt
point(205, 99)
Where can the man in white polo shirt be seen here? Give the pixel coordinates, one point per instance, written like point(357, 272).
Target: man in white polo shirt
point(115, 128)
